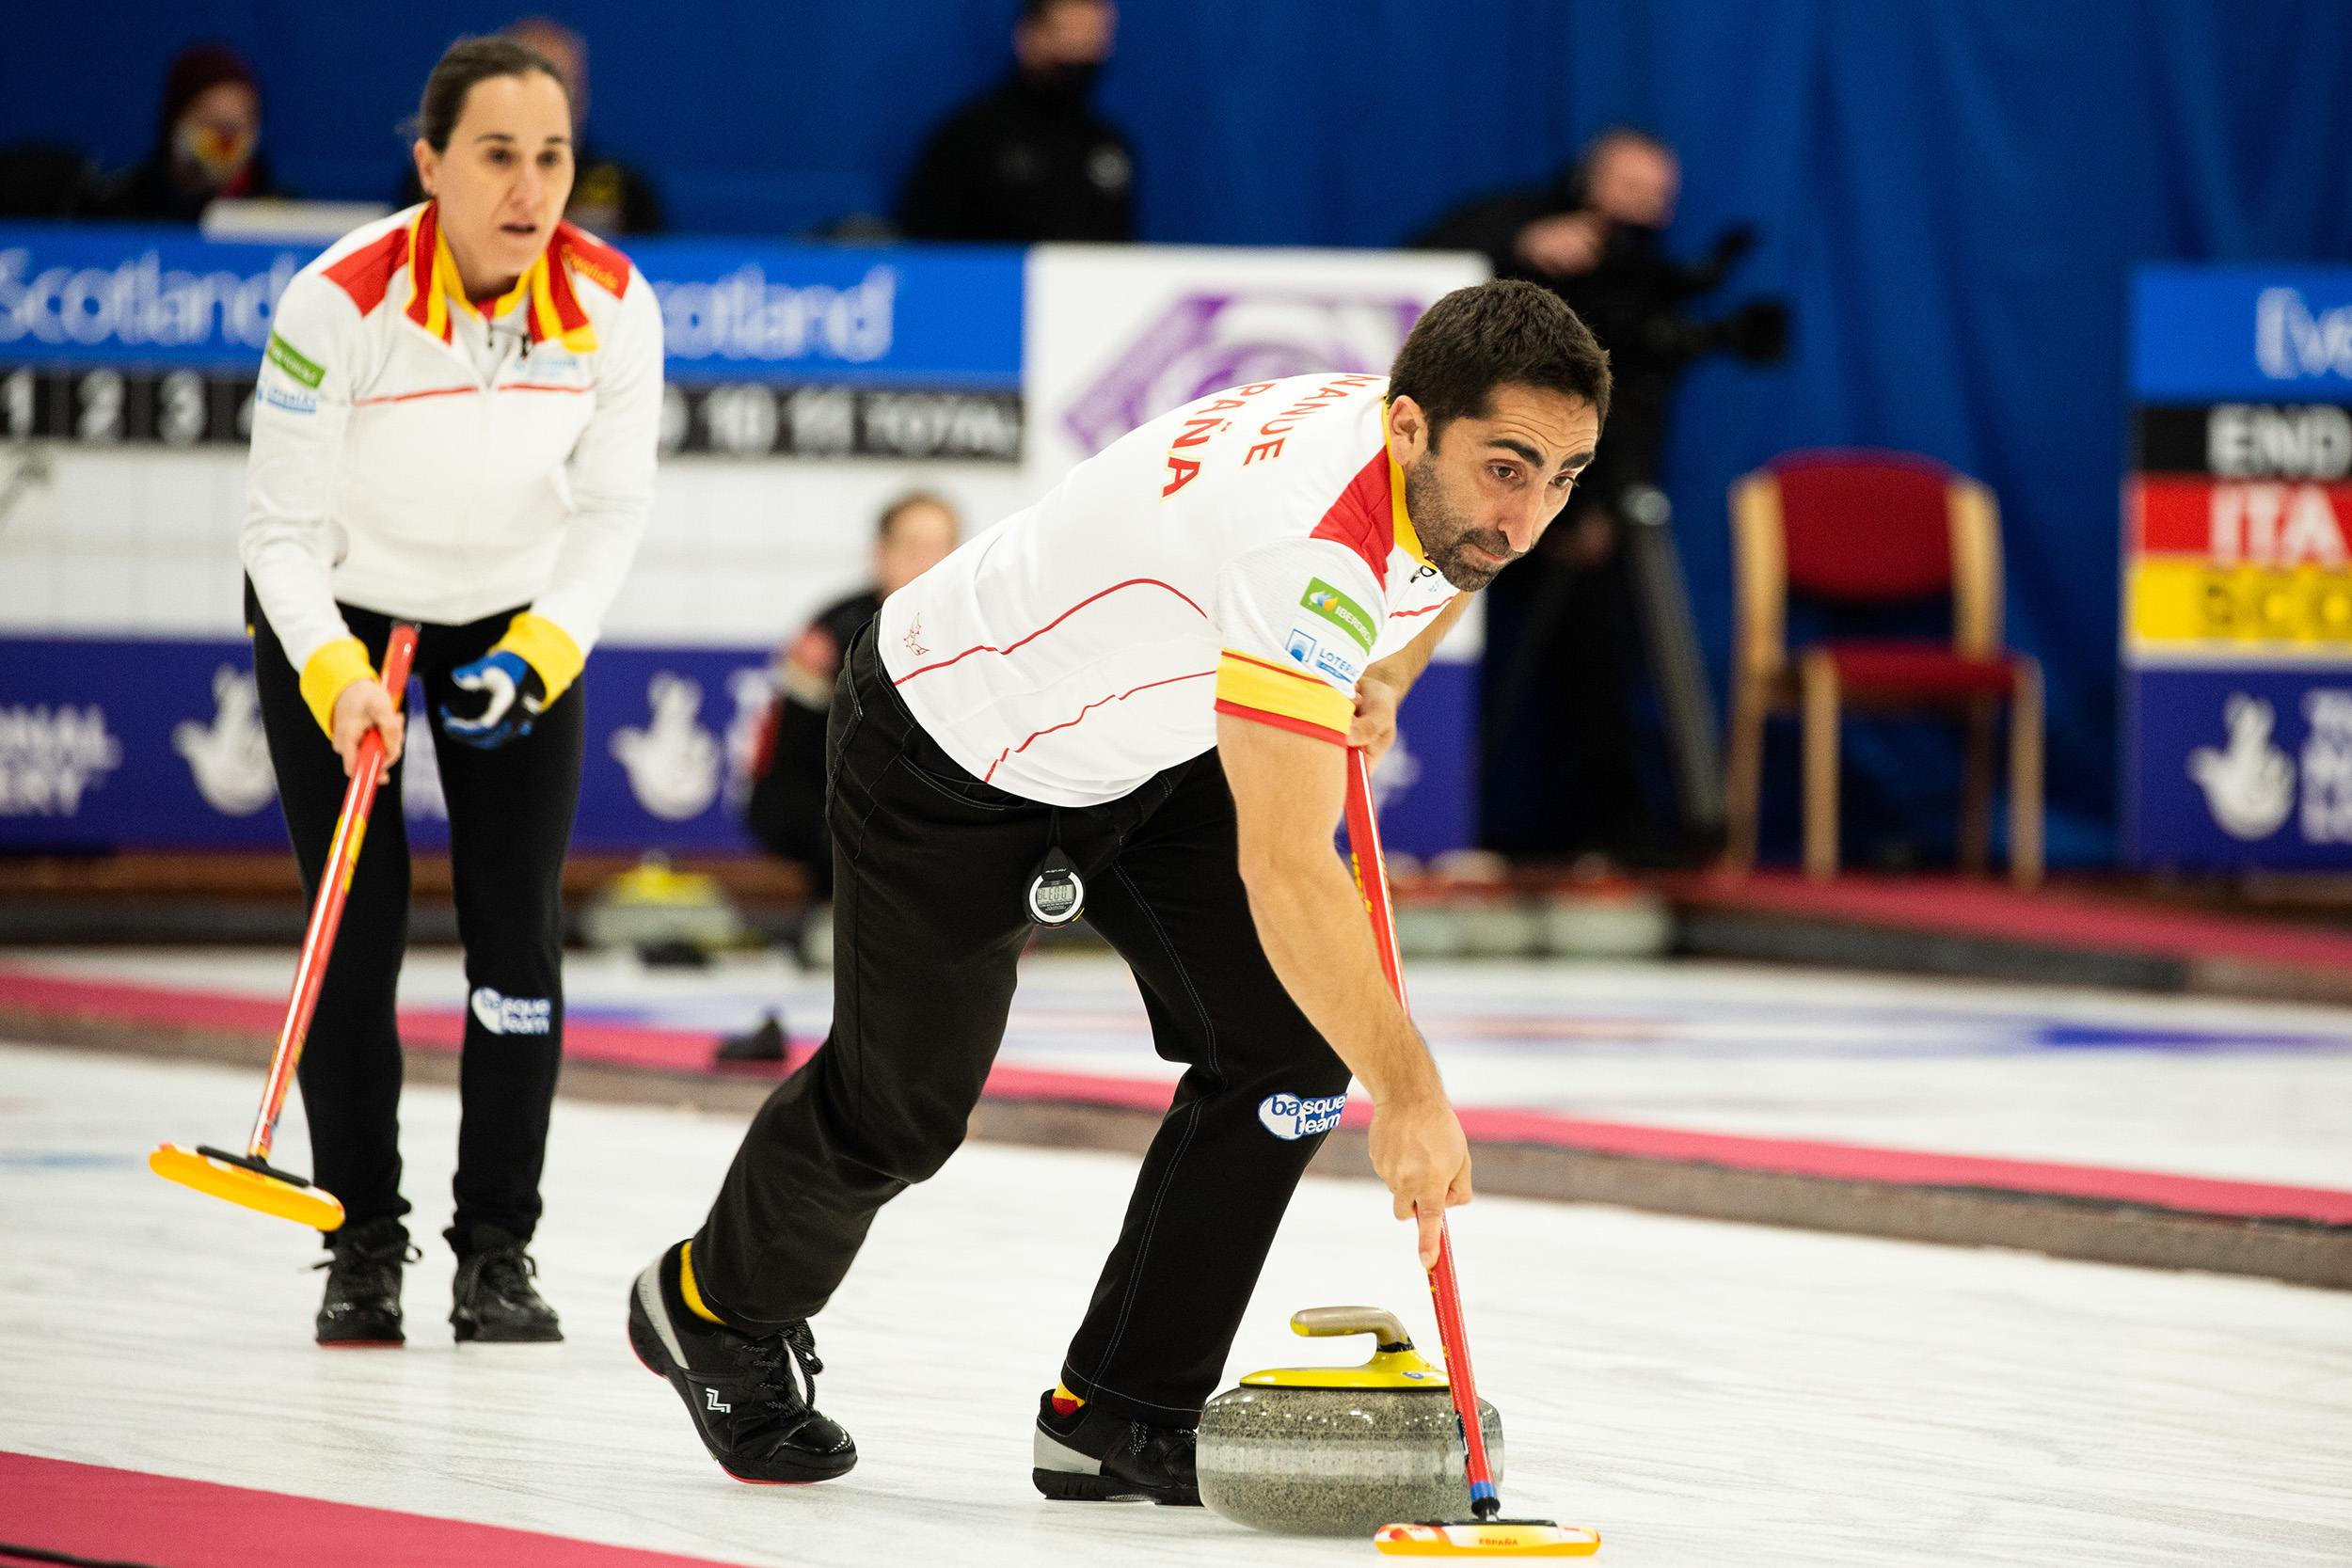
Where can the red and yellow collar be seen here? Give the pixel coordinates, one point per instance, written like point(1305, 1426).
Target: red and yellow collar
point(1401, 521)
point(554, 309)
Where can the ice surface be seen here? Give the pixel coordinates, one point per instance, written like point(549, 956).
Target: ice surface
point(1702, 1393)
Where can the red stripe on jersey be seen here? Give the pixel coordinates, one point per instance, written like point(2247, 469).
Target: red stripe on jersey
point(367, 272)
point(1361, 519)
point(1281, 721)
point(602, 266)
point(1011, 647)
point(1425, 610)
point(407, 397)
point(1114, 697)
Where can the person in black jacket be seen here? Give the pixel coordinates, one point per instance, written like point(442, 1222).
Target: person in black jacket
point(1569, 781)
point(785, 810)
point(208, 143)
point(1031, 161)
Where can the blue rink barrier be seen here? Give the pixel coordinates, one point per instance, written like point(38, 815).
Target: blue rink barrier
point(118, 743)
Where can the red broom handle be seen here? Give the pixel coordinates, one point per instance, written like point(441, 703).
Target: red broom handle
point(327, 913)
point(1371, 868)
point(1372, 877)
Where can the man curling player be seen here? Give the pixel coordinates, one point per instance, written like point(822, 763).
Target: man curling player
point(1133, 697)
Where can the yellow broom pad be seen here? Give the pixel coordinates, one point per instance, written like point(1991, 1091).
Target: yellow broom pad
point(1502, 1538)
point(308, 1206)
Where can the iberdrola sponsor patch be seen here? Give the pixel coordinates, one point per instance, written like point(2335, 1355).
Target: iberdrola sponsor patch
point(1341, 611)
point(294, 362)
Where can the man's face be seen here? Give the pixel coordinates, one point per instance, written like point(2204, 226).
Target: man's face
point(1074, 33)
point(1636, 183)
point(1484, 492)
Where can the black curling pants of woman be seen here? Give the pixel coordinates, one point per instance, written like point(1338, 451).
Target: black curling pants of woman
point(929, 869)
point(510, 822)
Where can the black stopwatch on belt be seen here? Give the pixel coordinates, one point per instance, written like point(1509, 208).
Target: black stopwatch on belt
point(1056, 895)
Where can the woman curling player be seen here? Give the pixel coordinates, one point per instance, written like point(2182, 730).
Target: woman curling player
point(456, 425)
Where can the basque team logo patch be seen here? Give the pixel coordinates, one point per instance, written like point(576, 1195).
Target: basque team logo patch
point(1290, 1118)
point(512, 1015)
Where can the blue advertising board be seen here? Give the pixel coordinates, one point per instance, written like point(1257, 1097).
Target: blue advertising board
point(2274, 334)
point(107, 743)
point(111, 742)
point(939, 317)
point(2237, 570)
point(2240, 767)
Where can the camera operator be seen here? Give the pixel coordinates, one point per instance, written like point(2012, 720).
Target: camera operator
point(1568, 622)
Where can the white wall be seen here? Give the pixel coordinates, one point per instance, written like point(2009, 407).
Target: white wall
point(143, 542)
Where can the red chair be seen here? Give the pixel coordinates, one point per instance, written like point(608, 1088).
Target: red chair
point(1864, 527)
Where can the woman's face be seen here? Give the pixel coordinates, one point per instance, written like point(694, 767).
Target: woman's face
point(504, 178)
point(217, 132)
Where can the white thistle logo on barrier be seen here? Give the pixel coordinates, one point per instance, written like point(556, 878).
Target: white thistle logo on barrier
point(230, 756)
point(49, 759)
point(673, 762)
point(1288, 1116)
point(2250, 784)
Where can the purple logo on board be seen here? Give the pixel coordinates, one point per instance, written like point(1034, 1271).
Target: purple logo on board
point(1203, 343)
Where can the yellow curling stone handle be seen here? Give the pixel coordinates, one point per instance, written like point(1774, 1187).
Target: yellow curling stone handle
point(1393, 1365)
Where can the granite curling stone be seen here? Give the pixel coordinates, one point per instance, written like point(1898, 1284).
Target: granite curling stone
point(1341, 1451)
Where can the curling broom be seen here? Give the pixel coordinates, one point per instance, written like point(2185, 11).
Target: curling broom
point(1483, 1535)
point(249, 1177)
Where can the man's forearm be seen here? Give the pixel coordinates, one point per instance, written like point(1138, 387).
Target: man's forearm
point(1311, 920)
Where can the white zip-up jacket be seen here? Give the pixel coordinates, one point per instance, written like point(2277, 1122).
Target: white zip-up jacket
point(418, 458)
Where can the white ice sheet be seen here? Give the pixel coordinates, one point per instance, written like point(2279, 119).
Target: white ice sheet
point(1702, 1393)
point(2193, 1086)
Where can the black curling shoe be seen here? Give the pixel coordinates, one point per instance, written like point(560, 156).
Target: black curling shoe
point(1090, 1455)
point(753, 1400)
point(494, 1302)
point(363, 1268)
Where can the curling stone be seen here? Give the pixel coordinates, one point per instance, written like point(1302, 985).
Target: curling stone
point(1341, 1451)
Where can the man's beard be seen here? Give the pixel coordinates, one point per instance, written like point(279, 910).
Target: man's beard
point(1446, 532)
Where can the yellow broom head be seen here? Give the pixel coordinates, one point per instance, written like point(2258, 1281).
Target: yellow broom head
point(309, 1206)
point(1487, 1538)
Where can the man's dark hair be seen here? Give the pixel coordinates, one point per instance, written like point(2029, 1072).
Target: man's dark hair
point(1035, 11)
point(462, 65)
point(1506, 333)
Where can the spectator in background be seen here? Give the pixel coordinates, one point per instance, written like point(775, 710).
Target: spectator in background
point(608, 196)
point(208, 143)
point(1567, 623)
point(786, 808)
point(1031, 161)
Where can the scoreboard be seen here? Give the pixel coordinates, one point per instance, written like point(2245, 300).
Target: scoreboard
point(2238, 585)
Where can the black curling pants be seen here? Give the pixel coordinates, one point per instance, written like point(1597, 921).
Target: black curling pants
point(510, 822)
point(930, 868)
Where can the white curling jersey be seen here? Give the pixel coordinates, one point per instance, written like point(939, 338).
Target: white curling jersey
point(1248, 553)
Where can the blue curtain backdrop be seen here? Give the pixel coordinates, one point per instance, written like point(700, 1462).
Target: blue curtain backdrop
point(1950, 193)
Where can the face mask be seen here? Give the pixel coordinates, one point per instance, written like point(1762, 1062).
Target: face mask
point(219, 153)
point(1071, 79)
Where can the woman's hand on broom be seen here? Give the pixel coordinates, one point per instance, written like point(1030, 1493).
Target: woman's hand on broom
point(361, 706)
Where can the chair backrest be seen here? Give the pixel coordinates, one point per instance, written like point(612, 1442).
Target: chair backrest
point(1861, 526)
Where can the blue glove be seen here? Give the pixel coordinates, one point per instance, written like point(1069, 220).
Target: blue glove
point(512, 696)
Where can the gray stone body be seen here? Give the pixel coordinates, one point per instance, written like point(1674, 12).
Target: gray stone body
point(1337, 1461)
